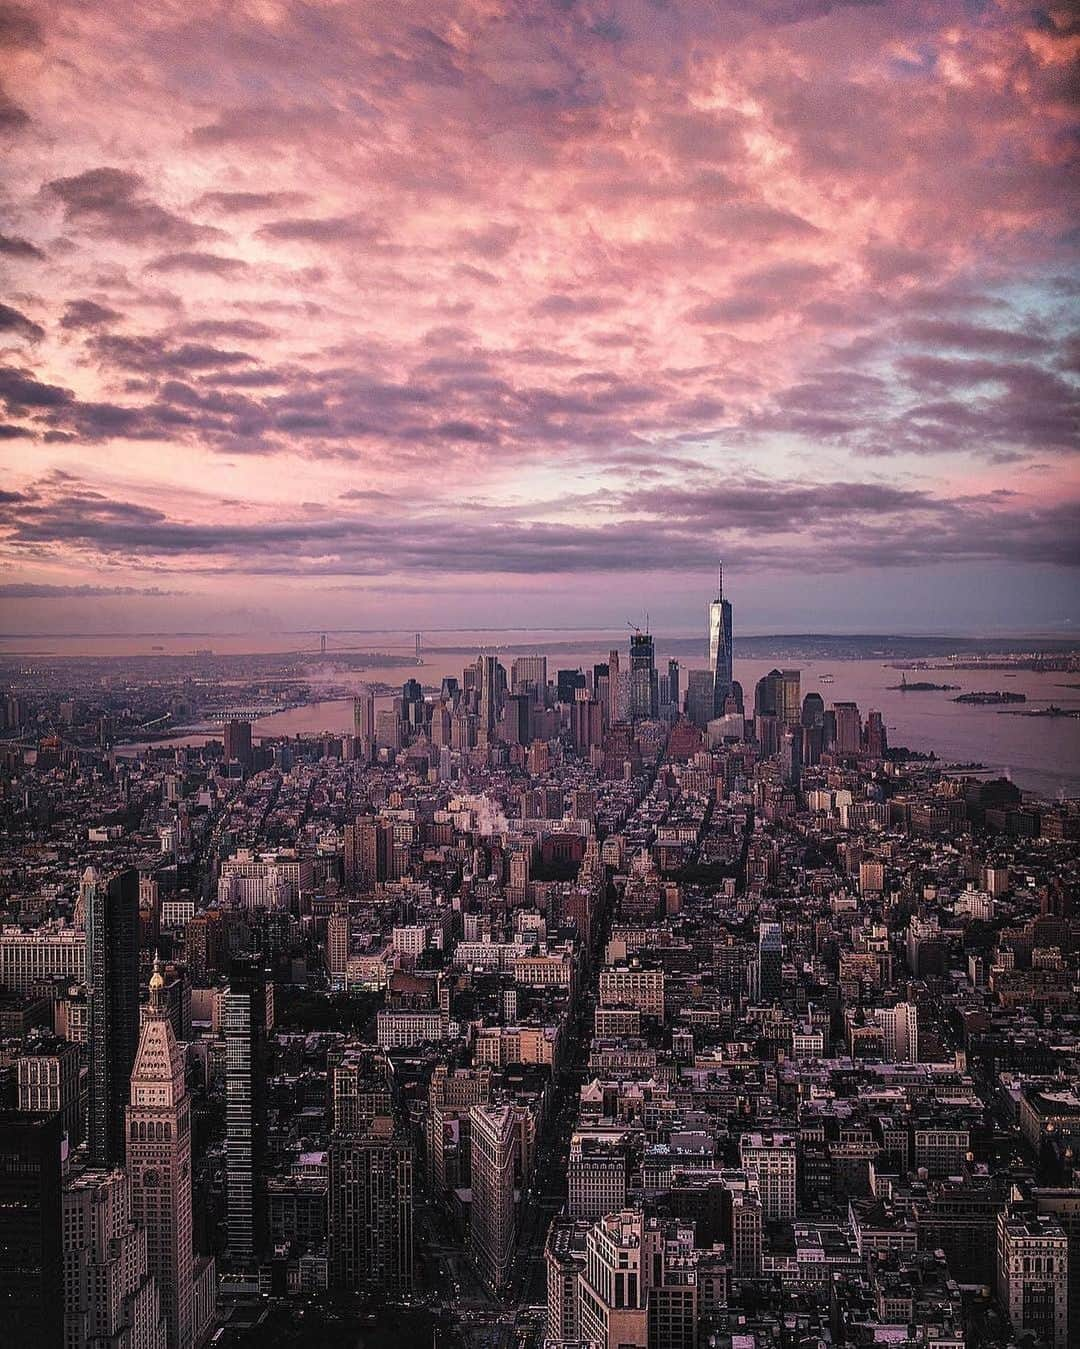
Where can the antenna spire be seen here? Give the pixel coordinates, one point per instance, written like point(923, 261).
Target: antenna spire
point(720, 581)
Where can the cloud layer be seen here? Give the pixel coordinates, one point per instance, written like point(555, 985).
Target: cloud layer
point(314, 291)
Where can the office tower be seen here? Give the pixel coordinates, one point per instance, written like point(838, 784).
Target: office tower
point(674, 684)
point(412, 705)
point(450, 689)
point(771, 1158)
point(388, 733)
point(110, 1295)
point(149, 912)
point(159, 1161)
point(517, 719)
point(48, 1084)
point(767, 697)
point(493, 1134)
point(1064, 1205)
point(791, 755)
point(371, 1208)
point(245, 1019)
point(720, 646)
point(586, 724)
point(112, 959)
point(1033, 1275)
point(616, 711)
point(699, 697)
point(238, 742)
point(368, 845)
point(813, 727)
point(643, 686)
point(337, 949)
point(31, 1258)
point(364, 715)
point(877, 742)
point(528, 674)
point(564, 1255)
point(567, 683)
point(770, 966)
point(638, 1285)
point(492, 688)
point(788, 693)
point(440, 725)
point(597, 1175)
point(848, 728)
point(899, 1032)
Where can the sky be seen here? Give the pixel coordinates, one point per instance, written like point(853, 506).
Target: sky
point(522, 312)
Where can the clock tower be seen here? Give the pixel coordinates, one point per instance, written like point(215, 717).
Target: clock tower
point(159, 1162)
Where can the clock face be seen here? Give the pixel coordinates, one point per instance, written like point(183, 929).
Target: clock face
point(151, 1178)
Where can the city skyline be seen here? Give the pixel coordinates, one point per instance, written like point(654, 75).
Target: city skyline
point(327, 317)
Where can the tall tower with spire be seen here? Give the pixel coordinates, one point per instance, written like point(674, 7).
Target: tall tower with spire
point(720, 646)
point(159, 1162)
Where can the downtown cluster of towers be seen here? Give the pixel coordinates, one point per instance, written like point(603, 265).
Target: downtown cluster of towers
point(485, 708)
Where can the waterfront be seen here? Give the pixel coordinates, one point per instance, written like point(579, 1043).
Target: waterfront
point(1042, 755)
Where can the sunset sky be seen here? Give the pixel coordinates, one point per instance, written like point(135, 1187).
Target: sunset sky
point(429, 314)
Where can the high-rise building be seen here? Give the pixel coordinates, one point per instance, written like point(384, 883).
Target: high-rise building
point(848, 728)
point(159, 1162)
point(492, 689)
point(813, 727)
point(371, 1208)
point(899, 1032)
point(771, 1158)
point(1033, 1275)
point(788, 705)
point(493, 1135)
point(1064, 1205)
point(637, 1285)
point(720, 638)
point(337, 948)
point(31, 1259)
point(674, 684)
point(238, 742)
point(528, 674)
point(644, 693)
point(245, 1019)
point(112, 958)
point(110, 1296)
point(877, 741)
point(364, 715)
point(48, 1084)
point(770, 963)
point(699, 697)
point(616, 710)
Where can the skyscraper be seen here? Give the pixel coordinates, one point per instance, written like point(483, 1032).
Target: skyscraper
point(720, 645)
point(31, 1270)
point(110, 1296)
point(364, 715)
point(644, 692)
point(770, 962)
point(238, 742)
point(493, 1138)
point(159, 1162)
point(245, 1020)
point(371, 1207)
point(492, 688)
point(112, 970)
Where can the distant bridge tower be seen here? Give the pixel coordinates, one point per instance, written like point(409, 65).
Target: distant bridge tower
point(419, 647)
point(322, 644)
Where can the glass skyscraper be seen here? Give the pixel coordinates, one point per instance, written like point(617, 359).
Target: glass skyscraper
point(720, 646)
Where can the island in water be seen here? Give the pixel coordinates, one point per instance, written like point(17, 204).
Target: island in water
point(991, 698)
point(921, 686)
